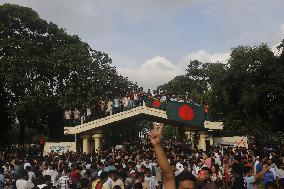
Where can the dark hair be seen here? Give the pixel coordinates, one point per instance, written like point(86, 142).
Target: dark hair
point(216, 167)
point(139, 174)
point(238, 168)
point(84, 182)
point(281, 183)
point(116, 187)
point(246, 169)
point(185, 175)
point(103, 175)
point(137, 185)
point(270, 184)
point(47, 178)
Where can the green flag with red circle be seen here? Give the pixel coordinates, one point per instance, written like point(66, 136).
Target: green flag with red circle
point(156, 103)
point(191, 114)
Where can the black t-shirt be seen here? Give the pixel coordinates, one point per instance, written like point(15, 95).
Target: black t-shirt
point(239, 183)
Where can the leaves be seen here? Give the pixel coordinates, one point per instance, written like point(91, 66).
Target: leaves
point(44, 67)
point(246, 93)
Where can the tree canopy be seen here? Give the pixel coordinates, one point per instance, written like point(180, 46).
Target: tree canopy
point(247, 92)
point(44, 70)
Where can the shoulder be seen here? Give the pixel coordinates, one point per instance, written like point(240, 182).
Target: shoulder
point(250, 179)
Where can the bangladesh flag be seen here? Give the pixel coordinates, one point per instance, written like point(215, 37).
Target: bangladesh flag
point(156, 103)
point(191, 114)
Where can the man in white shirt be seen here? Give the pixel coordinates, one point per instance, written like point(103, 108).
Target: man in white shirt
point(116, 180)
point(52, 173)
point(23, 182)
point(153, 183)
point(64, 181)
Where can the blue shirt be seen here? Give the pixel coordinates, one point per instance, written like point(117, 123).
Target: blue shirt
point(259, 167)
point(268, 176)
point(250, 181)
point(116, 103)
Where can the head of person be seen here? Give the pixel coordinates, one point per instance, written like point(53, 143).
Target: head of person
point(247, 171)
point(132, 174)
point(147, 172)
point(110, 174)
point(185, 180)
point(138, 185)
point(270, 185)
point(214, 168)
point(140, 177)
point(237, 170)
point(115, 176)
point(103, 176)
point(47, 179)
point(84, 183)
point(203, 174)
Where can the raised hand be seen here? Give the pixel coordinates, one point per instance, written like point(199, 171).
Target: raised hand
point(156, 133)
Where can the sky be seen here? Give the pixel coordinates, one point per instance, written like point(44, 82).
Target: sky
point(152, 41)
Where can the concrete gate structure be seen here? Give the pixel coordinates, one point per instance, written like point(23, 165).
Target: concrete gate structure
point(93, 129)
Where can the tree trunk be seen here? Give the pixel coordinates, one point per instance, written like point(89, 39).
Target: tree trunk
point(22, 133)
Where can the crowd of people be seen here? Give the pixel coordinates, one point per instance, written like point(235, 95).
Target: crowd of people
point(109, 106)
point(148, 163)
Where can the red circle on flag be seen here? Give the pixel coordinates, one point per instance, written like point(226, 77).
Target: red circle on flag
point(156, 103)
point(186, 113)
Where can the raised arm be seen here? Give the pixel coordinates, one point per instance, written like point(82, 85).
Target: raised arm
point(261, 173)
point(167, 172)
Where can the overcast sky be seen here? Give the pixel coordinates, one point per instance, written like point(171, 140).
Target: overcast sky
point(151, 41)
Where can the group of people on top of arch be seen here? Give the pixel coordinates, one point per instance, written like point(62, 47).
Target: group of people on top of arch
point(110, 106)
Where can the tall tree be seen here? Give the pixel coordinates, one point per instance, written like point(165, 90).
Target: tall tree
point(46, 70)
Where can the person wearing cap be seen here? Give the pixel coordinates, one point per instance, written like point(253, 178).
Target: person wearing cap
point(130, 181)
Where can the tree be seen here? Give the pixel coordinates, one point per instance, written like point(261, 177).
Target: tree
point(246, 92)
point(45, 70)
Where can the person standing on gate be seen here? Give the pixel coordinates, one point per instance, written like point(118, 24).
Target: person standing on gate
point(41, 143)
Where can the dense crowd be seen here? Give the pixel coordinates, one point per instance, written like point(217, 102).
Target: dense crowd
point(110, 106)
point(134, 165)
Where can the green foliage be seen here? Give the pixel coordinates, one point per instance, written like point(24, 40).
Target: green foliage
point(45, 70)
point(247, 92)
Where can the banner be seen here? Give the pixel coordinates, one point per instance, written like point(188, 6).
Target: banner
point(59, 147)
point(236, 141)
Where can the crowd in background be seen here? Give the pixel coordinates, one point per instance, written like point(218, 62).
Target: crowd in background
point(133, 165)
point(109, 106)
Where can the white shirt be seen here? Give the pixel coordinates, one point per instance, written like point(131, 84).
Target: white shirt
point(152, 182)
point(23, 184)
point(274, 170)
point(31, 175)
point(118, 182)
point(280, 173)
point(53, 174)
point(63, 182)
point(109, 182)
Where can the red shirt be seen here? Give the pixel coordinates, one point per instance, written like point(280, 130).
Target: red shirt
point(41, 140)
point(75, 177)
